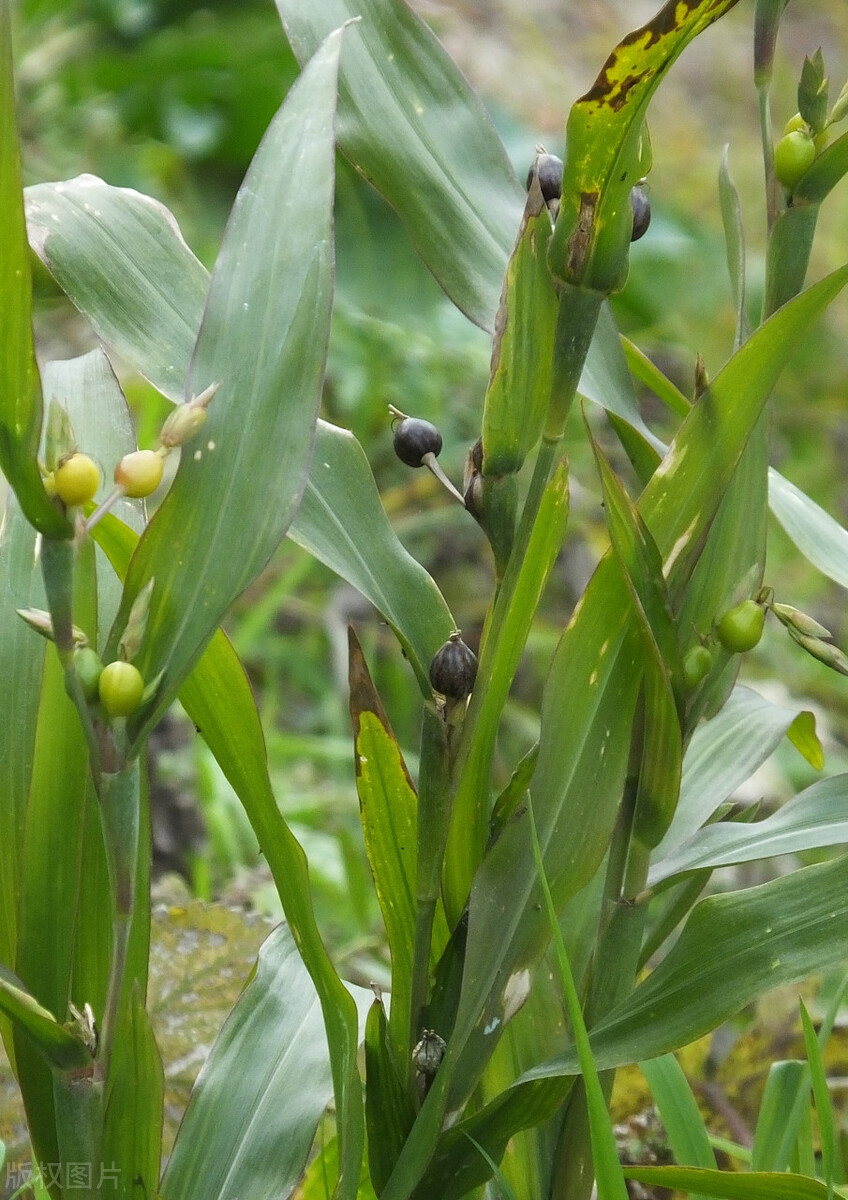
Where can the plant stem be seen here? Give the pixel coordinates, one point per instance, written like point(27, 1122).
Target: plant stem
point(508, 624)
point(119, 814)
point(434, 800)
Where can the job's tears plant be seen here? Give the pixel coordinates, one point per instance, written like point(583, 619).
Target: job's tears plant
point(601, 843)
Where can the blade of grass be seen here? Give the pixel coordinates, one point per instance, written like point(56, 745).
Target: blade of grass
point(608, 1173)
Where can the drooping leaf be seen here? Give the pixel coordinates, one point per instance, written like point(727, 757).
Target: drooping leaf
point(342, 522)
point(722, 754)
point(816, 817)
point(754, 1185)
point(820, 538)
point(260, 1095)
point(732, 949)
point(85, 226)
point(121, 259)
point(263, 337)
point(412, 126)
point(20, 387)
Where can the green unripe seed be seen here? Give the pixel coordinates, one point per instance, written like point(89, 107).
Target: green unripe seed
point(76, 480)
point(121, 688)
point(140, 473)
point(697, 662)
point(89, 668)
point(740, 628)
point(793, 157)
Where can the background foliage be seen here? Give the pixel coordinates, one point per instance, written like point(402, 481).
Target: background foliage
point(172, 98)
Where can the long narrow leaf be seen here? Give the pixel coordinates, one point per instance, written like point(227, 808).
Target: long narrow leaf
point(264, 339)
point(388, 805)
point(722, 754)
point(89, 235)
point(20, 387)
point(412, 126)
point(816, 817)
point(732, 949)
point(260, 1095)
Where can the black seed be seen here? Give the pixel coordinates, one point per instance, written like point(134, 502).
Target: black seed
point(549, 168)
point(415, 438)
point(641, 212)
point(454, 669)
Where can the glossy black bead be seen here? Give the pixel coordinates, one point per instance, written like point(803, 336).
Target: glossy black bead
point(550, 176)
point(413, 438)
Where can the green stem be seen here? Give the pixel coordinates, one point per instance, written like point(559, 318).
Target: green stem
point(508, 623)
point(434, 800)
point(119, 814)
point(788, 257)
point(79, 1128)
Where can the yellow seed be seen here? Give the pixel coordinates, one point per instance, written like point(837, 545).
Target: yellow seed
point(140, 473)
point(76, 480)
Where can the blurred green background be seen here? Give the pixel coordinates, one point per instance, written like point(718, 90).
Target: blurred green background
point(171, 97)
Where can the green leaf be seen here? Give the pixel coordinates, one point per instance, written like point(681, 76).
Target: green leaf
point(389, 1113)
point(820, 538)
point(21, 665)
point(20, 388)
point(732, 949)
point(260, 1095)
point(341, 521)
point(592, 688)
point(133, 1134)
point(457, 1167)
point(607, 150)
point(760, 1185)
point(785, 1099)
point(605, 1162)
point(827, 170)
point(642, 570)
point(734, 237)
point(722, 754)
point(388, 810)
point(816, 817)
point(121, 259)
point(520, 380)
point(218, 698)
point(50, 881)
point(802, 734)
point(84, 225)
point(412, 126)
point(263, 336)
point(63, 1049)
point(679, 1112)
point(606, 379)
point(821, 1094)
